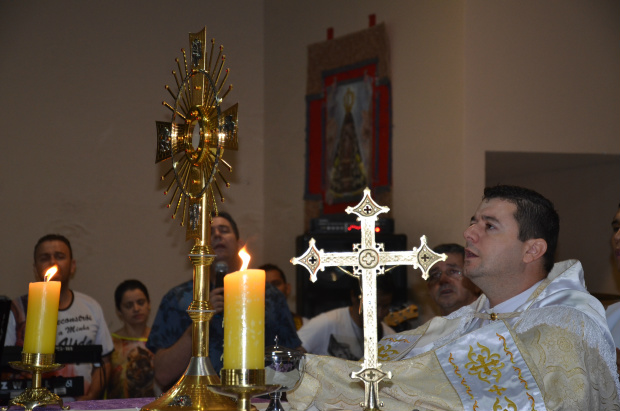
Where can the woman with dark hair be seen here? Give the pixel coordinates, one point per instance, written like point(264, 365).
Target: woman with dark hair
point(132, 363)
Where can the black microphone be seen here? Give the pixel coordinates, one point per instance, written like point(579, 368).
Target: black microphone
point(221, 269)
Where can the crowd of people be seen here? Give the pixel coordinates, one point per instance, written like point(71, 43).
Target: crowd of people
point(505, 273)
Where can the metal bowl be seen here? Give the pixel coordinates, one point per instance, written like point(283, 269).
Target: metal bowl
point(283, 366)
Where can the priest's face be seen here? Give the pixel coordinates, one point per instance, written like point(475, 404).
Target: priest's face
point(51, 253)
point(615, 238)
point(493, 250)
point(448, 287)
point(224, 243)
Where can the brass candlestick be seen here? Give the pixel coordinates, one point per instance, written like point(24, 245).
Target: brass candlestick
point(36, 395)
point(243, 384)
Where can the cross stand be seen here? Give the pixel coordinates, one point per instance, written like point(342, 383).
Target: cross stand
point(368, 260)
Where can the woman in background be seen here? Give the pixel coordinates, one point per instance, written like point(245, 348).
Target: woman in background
point(132, 363)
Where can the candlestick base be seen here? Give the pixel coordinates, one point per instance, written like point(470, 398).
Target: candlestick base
point(243, 384)
point(36, 395)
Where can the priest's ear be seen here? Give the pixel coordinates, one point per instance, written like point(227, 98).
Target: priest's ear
point(535, 249)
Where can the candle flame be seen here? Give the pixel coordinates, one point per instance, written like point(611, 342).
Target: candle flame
point(245, 257)
point(50, 272)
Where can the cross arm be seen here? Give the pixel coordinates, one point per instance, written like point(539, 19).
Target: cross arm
point(314, 259)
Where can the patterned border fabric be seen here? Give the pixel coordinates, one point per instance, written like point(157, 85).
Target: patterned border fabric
point(487, 370)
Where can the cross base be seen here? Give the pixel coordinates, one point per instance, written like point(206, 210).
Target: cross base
point(371, 378)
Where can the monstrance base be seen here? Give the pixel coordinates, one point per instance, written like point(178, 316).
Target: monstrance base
point(190, 393)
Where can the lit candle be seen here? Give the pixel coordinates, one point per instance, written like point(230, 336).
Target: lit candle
point(42, 315)
point(244, 318)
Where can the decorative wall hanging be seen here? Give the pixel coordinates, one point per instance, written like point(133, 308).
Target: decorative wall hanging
point(348, 122)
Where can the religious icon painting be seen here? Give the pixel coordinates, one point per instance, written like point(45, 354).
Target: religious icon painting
point(348, 138)
point(348, 122)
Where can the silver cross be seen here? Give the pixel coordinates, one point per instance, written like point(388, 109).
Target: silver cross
point(368, 260)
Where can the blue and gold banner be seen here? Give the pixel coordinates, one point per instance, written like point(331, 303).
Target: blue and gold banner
point(488, 372)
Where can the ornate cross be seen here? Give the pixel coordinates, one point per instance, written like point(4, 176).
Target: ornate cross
point(368, 260)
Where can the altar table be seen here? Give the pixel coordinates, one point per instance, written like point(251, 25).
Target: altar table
point(129, 404)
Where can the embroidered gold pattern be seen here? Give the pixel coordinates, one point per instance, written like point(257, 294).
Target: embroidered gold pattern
point(518, 371)
point(456, 367)
point(456, 371)
point(489, 366)
point(396, 340)
point(506, 350)
point(509, 406)
point(533, 401)
point(468, 388)
point(484, 364)
point(386, 352)
point(497, 390)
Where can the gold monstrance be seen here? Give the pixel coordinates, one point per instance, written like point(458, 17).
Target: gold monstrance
point(194, 140)
point(368, 260)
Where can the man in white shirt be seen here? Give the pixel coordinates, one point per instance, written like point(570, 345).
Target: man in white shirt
point(80, 317)
point(340, 332)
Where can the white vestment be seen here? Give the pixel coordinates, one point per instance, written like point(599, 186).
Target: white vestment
point(613, 320)
point(552, 351)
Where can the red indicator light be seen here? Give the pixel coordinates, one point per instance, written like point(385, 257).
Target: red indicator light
point(358, 228)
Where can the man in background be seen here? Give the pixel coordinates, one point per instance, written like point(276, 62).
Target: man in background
point(340, 332)
point(80, 318)
point(171, 335)
point(275, 276)
point(447, 286)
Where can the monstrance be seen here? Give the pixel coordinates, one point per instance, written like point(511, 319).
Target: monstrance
point(368, 260)
point(194, 141)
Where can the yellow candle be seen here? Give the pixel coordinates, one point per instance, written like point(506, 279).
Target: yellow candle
point(244, 320)
point(42, 317)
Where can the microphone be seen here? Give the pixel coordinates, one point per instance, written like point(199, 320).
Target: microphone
point(220, 270)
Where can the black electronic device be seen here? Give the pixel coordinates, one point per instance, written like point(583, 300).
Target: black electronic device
point(332, 288)
point(65, 354)
point(343, 224)
point(62, 386)
point(220, 269)
point(5, 310)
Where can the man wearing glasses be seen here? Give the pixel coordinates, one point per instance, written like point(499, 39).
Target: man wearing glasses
point(446, 284)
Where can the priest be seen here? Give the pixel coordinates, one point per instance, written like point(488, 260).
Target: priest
point(535, 340)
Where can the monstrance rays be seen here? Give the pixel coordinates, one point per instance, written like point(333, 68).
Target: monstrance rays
point(197, 157)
